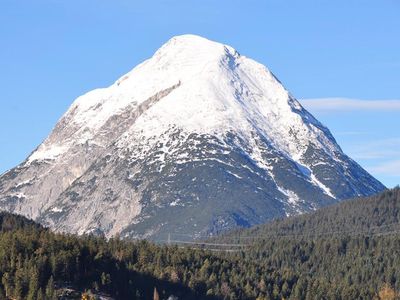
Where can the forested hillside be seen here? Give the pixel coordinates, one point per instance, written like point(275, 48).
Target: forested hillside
point(38, 264)
point(349, 251)
point(346, 251)
point(363, 216)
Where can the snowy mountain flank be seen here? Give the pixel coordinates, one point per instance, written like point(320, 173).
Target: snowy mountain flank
point(195, 140)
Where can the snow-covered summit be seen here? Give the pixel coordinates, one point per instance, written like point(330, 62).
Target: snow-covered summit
point(197, 138)
point(192, 48)
point(219, 91)
point(187, 59)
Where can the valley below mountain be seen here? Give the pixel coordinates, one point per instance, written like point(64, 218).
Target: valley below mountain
point(350, 250)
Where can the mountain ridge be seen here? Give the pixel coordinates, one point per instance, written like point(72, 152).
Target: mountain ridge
point(360, 217)
point(196, 138)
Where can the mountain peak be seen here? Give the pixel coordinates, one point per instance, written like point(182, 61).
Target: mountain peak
point(197, 138)
point(189, 40)
point(193, 44)
point(191, 54)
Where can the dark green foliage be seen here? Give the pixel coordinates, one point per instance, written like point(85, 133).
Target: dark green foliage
point(349, 251)
point(36, 263)
point(346, 251)
point(380, 213)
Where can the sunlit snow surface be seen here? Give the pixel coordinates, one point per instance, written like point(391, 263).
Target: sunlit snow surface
point(220, 91)
point(195, 103)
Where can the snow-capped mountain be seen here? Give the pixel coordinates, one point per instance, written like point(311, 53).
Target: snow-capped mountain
point(194, 140)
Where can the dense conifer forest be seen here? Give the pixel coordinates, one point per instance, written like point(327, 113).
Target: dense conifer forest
point(347, 251)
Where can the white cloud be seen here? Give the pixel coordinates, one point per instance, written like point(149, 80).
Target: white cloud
point(389, 168)
point(377, 149)
point(348, 104)
point(352, 133)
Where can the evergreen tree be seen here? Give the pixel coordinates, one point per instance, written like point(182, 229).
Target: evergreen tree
point(50, 292)
point(33, 284)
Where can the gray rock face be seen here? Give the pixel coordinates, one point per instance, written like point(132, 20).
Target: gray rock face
point(196, 140)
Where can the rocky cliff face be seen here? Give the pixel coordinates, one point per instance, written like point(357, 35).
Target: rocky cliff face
point(195, 140)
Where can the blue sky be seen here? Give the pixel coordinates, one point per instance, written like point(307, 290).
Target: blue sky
point(55, 50)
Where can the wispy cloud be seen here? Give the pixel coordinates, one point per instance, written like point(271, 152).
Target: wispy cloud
point(380, 157)
point(352, 133)
point(348, 104)
point(388, 148)
point(389, 168)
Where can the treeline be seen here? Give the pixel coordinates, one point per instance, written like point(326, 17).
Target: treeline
point(36, 263)
point(379, 213)
point(347, 251)
point(288, 259)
